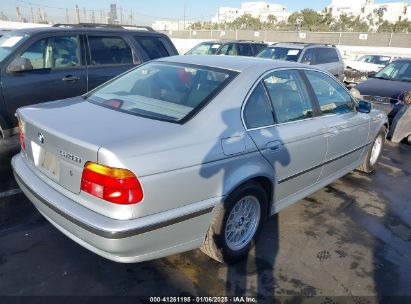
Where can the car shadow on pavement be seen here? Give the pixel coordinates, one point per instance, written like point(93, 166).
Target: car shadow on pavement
point(254, 275)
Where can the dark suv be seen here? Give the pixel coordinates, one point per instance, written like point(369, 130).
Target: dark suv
point(44, 64)
point(326, 56)
point(228, 47)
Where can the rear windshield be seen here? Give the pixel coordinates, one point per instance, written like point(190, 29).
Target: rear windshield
point(164, 91)
point(207, 48)
point(280, 53)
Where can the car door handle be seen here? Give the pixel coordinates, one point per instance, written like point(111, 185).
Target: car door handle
point(274, 146)
point(70, 78)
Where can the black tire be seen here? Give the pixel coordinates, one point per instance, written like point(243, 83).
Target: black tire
point(215, 244)
point(9, 146)
point(367, 166)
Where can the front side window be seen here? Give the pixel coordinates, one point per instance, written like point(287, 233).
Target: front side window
point(257, 112)
point(109, 50)
point(280, 53)
point(288, 96)
point(54, 52)
point(152, 46)
point(332, 97)
point(163, 91)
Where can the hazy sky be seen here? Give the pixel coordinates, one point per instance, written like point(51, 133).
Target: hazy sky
point(144, 11)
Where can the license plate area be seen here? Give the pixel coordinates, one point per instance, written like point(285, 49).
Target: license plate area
point(45, 161)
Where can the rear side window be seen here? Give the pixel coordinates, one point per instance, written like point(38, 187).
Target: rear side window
point(109, 50)
point(228, 49)
point(258, 48)
point(332, 97)
point(309, 57)
point(326, 55)
point(288, 95)
point(54, 52)
point(257, 111)
point(152, 46)
point(244, 49)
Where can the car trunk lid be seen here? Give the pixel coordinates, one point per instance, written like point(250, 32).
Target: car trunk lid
point(62, 136)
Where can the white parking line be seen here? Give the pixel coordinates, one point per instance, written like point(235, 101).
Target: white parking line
point(10, 193)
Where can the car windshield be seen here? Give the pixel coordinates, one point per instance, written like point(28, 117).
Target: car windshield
point(208, 48)
point(9, 42)
point(375, 59)
point(164, 91)
point(396, 71)
point(280, 53)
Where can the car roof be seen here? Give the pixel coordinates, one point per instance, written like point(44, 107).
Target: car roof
point(234, 41)
point(41, 30)
point(406, 60)
point(300, 45)
point(234, 63)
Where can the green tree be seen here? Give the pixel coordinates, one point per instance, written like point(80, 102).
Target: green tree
point(245, 22)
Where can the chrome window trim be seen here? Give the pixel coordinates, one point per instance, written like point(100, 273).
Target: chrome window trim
point(286, 69)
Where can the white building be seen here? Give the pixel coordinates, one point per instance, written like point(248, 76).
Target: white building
point(170, 25)
point(259, 10)
point(393, 11)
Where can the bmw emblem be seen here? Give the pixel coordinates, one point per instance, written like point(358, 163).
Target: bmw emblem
point(40, 137)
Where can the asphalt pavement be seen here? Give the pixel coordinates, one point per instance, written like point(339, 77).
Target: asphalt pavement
point(352, 238)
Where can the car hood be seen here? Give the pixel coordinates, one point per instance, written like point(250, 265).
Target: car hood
point(363, 66)
point(383, 88)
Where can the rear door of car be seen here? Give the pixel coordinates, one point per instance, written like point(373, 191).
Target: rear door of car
point(59, 71)
point(108, 55)
point(346, 129)
point(280, 117)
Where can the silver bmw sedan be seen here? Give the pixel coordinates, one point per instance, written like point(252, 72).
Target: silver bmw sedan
point(191, 152)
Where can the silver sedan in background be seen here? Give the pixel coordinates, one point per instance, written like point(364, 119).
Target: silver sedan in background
point(191, 152)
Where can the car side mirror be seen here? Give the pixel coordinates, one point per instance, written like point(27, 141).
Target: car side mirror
point(19, 65)
point(364, 106)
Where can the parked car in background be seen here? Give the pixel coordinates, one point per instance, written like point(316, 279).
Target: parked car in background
point(357, 70)
point(152, 182)
point(43, 64)
point(325, 56)
point(228, 47)
point(390, 90)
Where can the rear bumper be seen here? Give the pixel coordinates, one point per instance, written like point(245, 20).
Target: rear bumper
point(126, 241)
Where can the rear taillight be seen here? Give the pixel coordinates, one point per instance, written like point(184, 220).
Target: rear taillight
point(118, 186)
point(22, 143)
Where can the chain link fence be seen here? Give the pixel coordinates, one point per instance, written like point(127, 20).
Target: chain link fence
point(337, 38)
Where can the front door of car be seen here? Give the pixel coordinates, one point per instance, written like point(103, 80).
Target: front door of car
point(347, 130)
point(280, 119)
point(108, 56)
point(54, 69)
